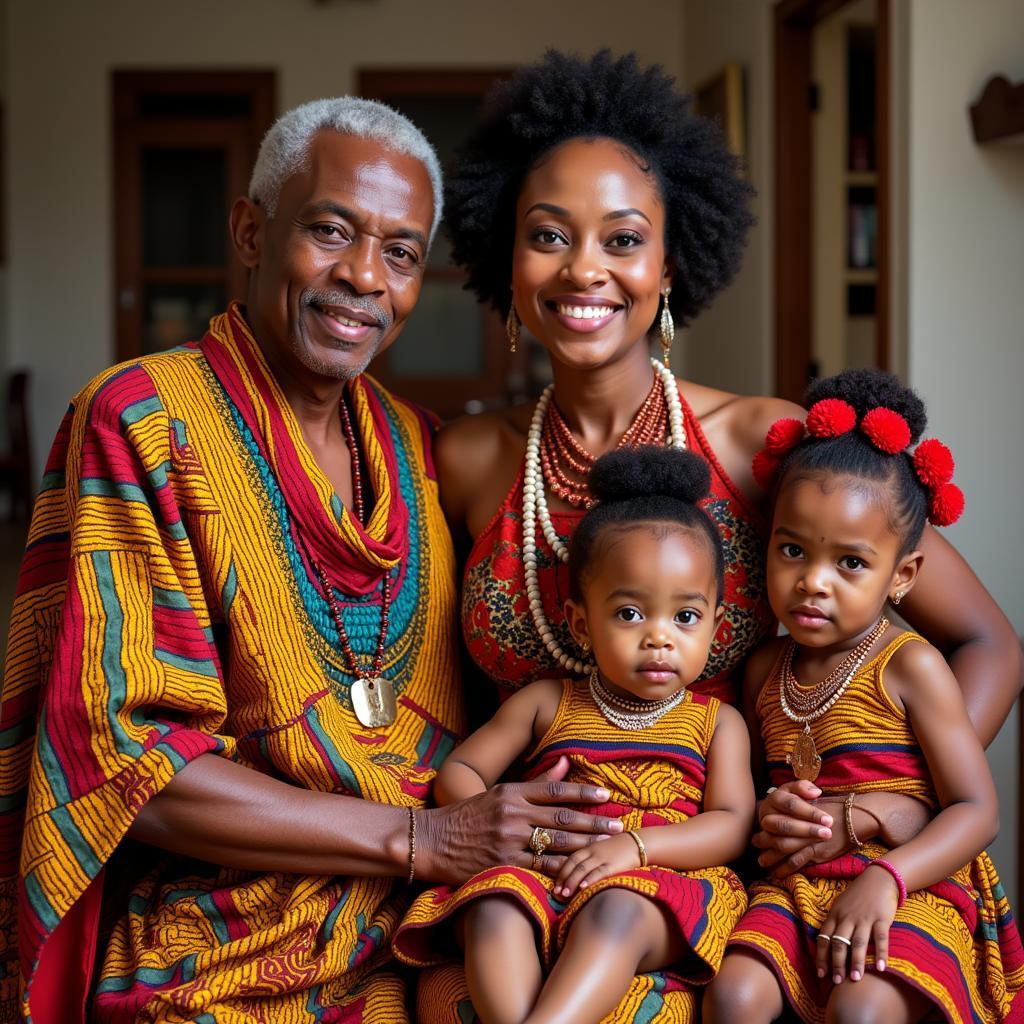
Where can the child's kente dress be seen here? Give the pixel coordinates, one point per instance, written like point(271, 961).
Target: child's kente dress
point(655, 777)
point(955, 941)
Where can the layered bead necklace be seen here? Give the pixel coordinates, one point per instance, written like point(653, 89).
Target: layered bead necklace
point(804, 705)
point(633, 715)
point(536, 475)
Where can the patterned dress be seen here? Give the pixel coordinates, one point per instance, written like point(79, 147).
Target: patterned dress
point(497, 625)
point(656, 777)
point(956, 941)
point(167, 608)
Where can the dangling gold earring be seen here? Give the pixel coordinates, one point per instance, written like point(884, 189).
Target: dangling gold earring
point(512, 325)
point(668, 328)
point(897, 597)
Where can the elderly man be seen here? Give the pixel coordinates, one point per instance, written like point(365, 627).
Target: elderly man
point(231, 671)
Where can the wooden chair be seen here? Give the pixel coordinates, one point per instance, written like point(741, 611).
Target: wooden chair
point(16, 465)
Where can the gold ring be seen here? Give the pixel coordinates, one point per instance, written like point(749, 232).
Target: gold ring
point(843, 939)
point(537, 862)
point(540, 840)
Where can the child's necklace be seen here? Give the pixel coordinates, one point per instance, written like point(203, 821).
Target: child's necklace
point(804, 705)
point(631, 714)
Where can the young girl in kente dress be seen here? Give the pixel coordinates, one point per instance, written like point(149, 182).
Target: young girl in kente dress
point(561, 937)
point(856, 705)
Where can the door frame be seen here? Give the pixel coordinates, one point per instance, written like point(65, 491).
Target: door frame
point(794, 25)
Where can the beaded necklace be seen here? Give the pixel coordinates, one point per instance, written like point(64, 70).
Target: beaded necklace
point(535, 507)
point(631, 714)
point(372, 695)
point(805, 705)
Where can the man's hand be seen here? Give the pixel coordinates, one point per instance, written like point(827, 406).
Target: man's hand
point(495, 827)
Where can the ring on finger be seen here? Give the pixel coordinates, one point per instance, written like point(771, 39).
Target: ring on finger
point(822, 937)
point(843, 939)
point(540, 840)
point(537, 861)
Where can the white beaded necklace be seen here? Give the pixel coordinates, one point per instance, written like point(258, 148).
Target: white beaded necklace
point(535, 506)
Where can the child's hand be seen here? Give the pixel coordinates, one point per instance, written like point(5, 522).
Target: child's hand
point(793, 830)
point(864, 912)
point(601, 859)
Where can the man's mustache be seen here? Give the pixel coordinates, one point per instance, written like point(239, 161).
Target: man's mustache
point(341, 297)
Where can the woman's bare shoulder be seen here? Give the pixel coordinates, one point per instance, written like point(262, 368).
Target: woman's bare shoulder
point(742, 415)
point(474, 453)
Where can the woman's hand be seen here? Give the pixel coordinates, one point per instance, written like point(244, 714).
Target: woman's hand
point(794, 830)
point(592, 863)
point(495, 827)
point(862, 914)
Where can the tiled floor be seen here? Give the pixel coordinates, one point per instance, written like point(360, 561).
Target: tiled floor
point(12, 542)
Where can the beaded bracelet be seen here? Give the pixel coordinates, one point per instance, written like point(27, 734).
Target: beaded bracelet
point(897, 878)
point(848, 818)
point(412, 846)
point(640, 846)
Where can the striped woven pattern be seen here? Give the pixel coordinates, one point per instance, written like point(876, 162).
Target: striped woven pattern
point(167, 609)
point(956, 941)
point(655, 777)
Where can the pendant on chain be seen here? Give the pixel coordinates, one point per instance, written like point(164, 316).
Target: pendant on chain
point(373, 701)
point(804, 758)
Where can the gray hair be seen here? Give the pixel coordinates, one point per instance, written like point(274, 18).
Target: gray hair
point(285, 148)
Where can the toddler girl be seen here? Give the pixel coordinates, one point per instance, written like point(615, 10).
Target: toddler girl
point(560, 935)
point(855, 704)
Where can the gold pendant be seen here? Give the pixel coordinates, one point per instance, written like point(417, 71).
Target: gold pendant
point(803, 758)
point(373, 701)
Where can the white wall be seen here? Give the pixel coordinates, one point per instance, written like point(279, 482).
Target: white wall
point(966, 300)
point(60, 53)
point(731, 345)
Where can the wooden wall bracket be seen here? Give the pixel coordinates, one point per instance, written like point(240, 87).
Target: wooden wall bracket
point(999, 114)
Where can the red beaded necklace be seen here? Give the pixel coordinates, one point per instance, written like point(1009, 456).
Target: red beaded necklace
point(373, 696)
point(566, 463)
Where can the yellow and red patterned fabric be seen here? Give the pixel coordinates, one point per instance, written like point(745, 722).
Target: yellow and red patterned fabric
point(956, 941)
point(497, 624)
point(167, 609)
point(655, 777)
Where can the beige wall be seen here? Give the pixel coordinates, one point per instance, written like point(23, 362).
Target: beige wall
point(966, 301)
point(731, 345)
point(60, 54)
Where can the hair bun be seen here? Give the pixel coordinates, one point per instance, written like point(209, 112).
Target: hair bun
point(649, 472)
point(872, 389)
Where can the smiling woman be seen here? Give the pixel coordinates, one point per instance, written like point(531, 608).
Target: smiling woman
point(593, 207)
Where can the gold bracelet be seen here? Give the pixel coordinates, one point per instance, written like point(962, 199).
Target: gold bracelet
point(412, 845)
point(848, 818)
point(640, 846)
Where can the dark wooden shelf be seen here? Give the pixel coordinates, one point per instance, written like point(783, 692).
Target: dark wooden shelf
point(999, 114)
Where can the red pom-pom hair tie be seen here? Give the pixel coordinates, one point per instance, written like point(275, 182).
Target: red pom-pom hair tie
point(764, 468)
point(783, 435)
point(945, 505)
point(933, 463)
point(831, 417)
point(886, 430)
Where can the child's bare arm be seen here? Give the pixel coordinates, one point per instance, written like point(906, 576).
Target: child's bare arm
point(919, 678)
point(477, 763)
point(720, 833)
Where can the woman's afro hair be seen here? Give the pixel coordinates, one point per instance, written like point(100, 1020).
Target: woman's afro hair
point(642, 486)
point(562, 97)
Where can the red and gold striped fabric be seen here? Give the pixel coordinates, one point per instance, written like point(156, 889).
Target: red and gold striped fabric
point(655, 777)
point(956, 941)
point(166, 609)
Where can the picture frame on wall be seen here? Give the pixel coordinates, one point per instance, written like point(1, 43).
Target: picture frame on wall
point(721, 98)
